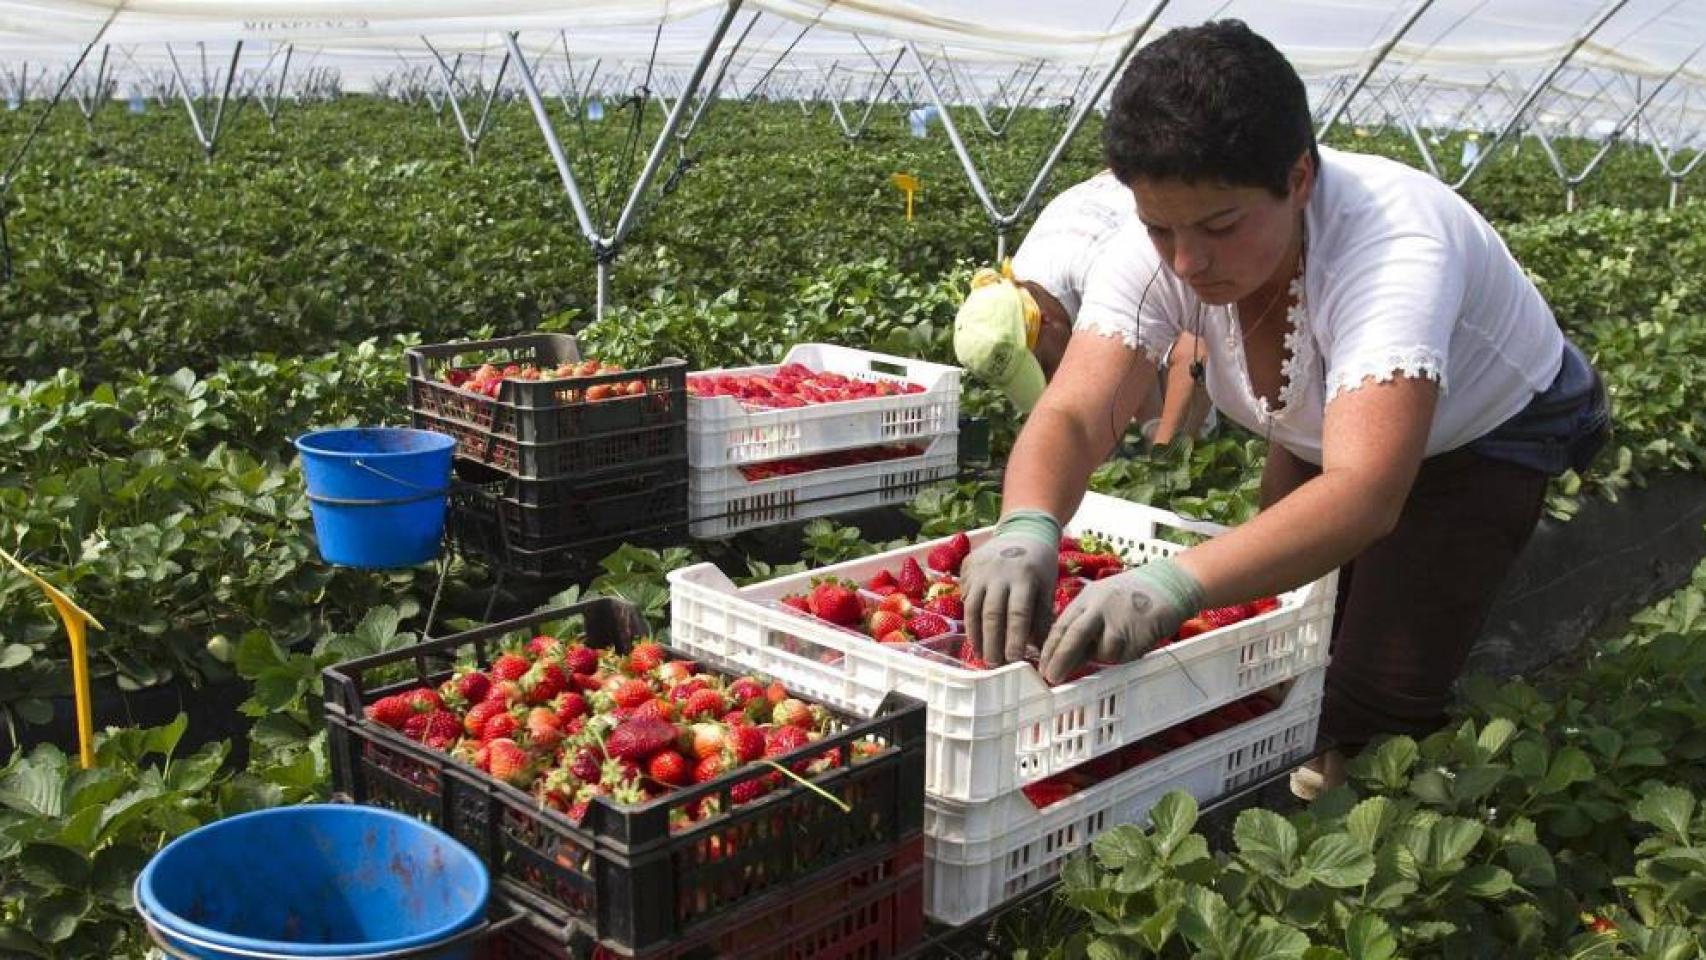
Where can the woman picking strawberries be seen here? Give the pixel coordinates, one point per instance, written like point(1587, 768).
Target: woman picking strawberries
point(1414, 388)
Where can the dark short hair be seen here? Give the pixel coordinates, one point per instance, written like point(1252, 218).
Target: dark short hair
point(1211, 103)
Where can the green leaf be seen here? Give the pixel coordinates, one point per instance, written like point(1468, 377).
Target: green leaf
point(1367, 937)
point(1173, 816)
point(1318, 952)
point(51, 867)
point(1206, 922)
point(54, 919)
point(1266, 840)
point(1452, 839)
point(14, 941)
point(1338, 860)
point(14, 655)
point(1668, 808)
point(1569, 766)
point(116, 869)
point(1272, 940)
point(193, 774)
point(257, 653)
point(1484, 880)
point(1123, 847)
point(1159, 926)
point(163, 740)
point(36, 785)
point(1495, 736)
point(1369, 820)
point(1531, 865)
point(1390, 763)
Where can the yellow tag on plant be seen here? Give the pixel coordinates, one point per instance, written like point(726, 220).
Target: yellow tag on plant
point(77, 621)
point(908, 184)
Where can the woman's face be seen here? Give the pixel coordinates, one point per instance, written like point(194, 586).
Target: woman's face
point(1226, 242)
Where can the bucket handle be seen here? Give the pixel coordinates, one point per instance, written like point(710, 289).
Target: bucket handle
point(481, 930)
point(425, 493)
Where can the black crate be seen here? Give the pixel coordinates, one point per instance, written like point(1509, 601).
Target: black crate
point(868, 907)
point(516, 430)
point(544, 528)
point(621, 877)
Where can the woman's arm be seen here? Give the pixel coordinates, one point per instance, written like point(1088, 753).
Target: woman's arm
point(1373, 442)
point(1185, 405)
point(1080, 417)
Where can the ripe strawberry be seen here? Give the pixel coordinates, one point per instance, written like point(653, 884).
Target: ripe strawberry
point(415, 727)
point(645, 657)
point(472, 685)
point(581, 659)
point(544, 730)
point(443, 729)
point(708, 769)
point(631, 692)
point(508, 762)
point(510, 666)
point(1047, 793)
point(671, 768)
point(393, 711)
point(682, 691)
point(749, 790)
point(423, 700)
point(577, 811)
point(784, 739)
point(584, 765)
point(883, 578)
point(927, 625)
point(1193, 627)
point(898, 603)
point(884, 622)
point(570, 705)
point(911, 579)
point(704, 703)
point(776, 693)
point(1065, 592)
point(836, 603)
point(507, 691)
point(706, 739)
point(791, 712)
point(543, 682)
point(961, 544)
point(1072, 544)
point(745, 690)
point(895, 638)
point(1226, 616)
point(969, 657)
point(951, 607)
point(798, 602)
point(639, 739)
point(748, 742)
point(736, 718)
point(500, 726)
point(545, 647)
point(655, 709)
point(1262, 605)
point(943, 559)
point(676, 671)
point(475, 720)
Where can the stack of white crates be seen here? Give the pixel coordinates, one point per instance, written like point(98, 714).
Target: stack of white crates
point(723, 436)
point(992, 732)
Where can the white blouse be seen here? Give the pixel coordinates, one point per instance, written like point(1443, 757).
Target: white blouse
point(1402, 278)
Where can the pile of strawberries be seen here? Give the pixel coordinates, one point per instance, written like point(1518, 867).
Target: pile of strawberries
point(826, 461)
point(1051, 790)
point(794, 385)
point(488, 378)
point(569, 722)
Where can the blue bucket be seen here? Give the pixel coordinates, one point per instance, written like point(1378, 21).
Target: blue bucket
point(378, 494)
point(323, 880)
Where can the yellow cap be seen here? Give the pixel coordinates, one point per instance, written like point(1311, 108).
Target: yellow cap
point(993, 335)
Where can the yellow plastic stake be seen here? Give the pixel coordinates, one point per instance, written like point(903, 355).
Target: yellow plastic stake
point(908, 184)
point(77, 621)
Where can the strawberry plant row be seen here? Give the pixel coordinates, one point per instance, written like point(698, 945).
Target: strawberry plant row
point(640, 865)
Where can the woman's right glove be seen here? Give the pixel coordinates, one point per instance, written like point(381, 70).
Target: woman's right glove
point(1008, 584)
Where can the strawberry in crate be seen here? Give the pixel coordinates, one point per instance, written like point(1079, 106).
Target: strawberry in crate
point(794, 385)
point(569, 722)
point(488, 378)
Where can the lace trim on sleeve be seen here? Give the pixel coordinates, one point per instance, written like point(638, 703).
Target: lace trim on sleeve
point(1127, 334)
point(1412, 363)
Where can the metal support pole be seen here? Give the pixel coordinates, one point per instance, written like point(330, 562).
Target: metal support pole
point(1374, 63)
point(470, 138)
point(710, 92)
point(1600, 20)
point(1005, 221)
point(271, 110)
point(207, 136)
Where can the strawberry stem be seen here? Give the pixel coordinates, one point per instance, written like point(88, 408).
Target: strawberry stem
point(802, 781)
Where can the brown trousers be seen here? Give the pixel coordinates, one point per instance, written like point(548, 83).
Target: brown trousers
point(1412, 604)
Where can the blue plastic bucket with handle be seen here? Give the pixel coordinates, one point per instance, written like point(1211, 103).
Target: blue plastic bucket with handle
point(323, 881)
point(378, 494)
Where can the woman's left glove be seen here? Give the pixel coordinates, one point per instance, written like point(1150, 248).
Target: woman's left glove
point(1120, 618)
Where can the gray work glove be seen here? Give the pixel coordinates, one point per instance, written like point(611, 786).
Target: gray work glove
point(1119, 619)
point(1008, 584)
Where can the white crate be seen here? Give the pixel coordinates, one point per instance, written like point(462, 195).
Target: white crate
point(721, 432)
point(992, 731)
point(721, 502)
point(979, 856)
